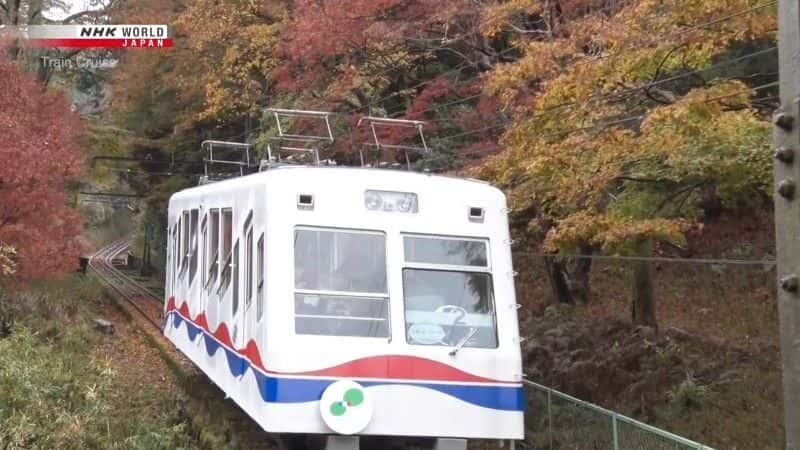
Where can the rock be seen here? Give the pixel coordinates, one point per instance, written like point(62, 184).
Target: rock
point(679, 334)
point(554, 332)
point(579, 354)
point(646, 332)
point(729, 376)
point(104, 326)
point(581, 370)
point(561, 343)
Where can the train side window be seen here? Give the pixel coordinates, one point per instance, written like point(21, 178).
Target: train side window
point(170, 256)
point(194, 217)
point(447, 292)
point(226, 226)
point(248, 261)
point(202, 251)
point(227, 232)
point(212, 248)
point(235, 276)
point(260, 278)
point(340, 283)
point(175, 252)
point(178, 249)
point(185, 242)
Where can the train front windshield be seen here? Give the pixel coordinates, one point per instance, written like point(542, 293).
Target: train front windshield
point(448, 293)
point(341, 287)
point(340, 283)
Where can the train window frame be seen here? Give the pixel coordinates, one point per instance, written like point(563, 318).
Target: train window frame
point(485, 270)
point(226, 232)
point(178, 243)
point(212, 249)
point(169, 265)
point(185, 242)
point(201, 248)
point(248, 261)
point(260, 277)
point(235, 278)
point(227, 265)
point(303, 295)
point(175, 253)
point(487, 266)
point(194, 218)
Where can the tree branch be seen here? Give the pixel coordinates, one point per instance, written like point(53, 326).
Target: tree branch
point(645, 180)
point(674, 195)
point(547, 33)
point(95, 13)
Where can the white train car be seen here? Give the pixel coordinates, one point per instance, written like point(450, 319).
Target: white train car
point(350, 302)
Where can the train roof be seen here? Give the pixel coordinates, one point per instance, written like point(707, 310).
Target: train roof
point(344, 171)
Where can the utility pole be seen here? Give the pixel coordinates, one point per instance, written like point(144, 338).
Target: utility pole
point(787, 212)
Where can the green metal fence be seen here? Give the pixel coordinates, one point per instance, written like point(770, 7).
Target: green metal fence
point(557, 421)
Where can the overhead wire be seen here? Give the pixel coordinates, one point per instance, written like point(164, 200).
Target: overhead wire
point(574, 102)
point(658, 37)
point(605, 125)
point(666, 259)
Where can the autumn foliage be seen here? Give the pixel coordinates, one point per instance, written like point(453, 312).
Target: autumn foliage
point(41, 156)
point(612, 120)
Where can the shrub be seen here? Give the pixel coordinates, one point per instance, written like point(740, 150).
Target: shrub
point(687, 395)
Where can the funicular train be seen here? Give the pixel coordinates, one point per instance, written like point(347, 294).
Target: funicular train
point(350, 302)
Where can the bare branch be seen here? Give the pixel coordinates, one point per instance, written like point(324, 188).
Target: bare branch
point(95, 13)
point(547, 33)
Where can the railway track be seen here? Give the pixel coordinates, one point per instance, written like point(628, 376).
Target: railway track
point(207, 406)
point(143, 299)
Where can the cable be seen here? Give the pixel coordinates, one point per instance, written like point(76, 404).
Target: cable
point(616, 121)
point(644, 86)
point(741, 262)
point(649, 85)
point(555, 107)
point(427, 82)
point(688, 30)
point(659, 82)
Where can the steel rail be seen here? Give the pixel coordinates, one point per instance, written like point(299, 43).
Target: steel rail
point(131, 291)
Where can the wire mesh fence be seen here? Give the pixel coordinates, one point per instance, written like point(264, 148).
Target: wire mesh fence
point(557, 421)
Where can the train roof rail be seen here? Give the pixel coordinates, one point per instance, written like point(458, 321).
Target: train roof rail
point(240, 149)
point(300, 146)
point(385, 122)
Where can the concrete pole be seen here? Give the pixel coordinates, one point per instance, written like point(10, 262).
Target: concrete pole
point(787, 213)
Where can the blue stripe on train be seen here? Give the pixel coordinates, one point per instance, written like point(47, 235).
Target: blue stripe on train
point(296, 390)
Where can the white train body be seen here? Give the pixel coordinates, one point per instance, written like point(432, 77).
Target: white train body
point(283, 282)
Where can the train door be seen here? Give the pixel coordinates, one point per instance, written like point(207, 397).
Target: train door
point(240, 257)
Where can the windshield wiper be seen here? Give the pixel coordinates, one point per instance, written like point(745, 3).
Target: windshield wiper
point(472, 331)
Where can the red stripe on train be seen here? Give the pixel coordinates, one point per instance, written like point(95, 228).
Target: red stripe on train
point(383, 367)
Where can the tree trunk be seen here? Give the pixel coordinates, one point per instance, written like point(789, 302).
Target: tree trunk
point(578, 275)
point(558, 281)
point(5, 322)
point(643, 308)
point(570, 280)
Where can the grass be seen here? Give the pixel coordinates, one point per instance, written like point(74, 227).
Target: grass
point(58, 389)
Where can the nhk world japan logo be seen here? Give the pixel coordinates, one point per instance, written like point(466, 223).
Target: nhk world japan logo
point(345, 407)
point(93, 36)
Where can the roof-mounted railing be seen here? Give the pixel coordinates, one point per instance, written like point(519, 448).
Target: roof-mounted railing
point(209, 161)
point(382, 122)
point(298, 145)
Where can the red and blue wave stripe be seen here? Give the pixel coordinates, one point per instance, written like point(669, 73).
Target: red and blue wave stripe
point(295, 387)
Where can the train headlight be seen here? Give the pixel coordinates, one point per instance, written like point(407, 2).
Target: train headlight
point(405, 202)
